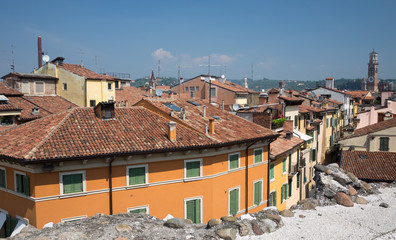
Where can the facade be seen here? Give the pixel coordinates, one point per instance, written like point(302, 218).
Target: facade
point(78, 84)
point(374, 115)
point(137, 159)
point(32, 84)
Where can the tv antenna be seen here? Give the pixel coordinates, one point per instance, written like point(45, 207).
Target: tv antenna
point(252, 69)
point(81, 52)
point(12, 54)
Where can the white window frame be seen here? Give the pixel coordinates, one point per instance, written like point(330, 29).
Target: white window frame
point(84, 178)
point(262, 191)
point(137, 166)
point(73, 218)
point(111, 84)
point(139, 207)
point(5, 171)
point(262, 155)
point(229, 161)
point(239, 199)
point(35, 86)
point(201, 206)
point(200, 168)
point(15, 179)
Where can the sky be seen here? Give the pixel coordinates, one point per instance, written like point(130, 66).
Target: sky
point(279, 40)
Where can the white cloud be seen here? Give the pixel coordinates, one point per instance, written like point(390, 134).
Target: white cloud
point(162, 54)
point(222, 58)
point(268, 64)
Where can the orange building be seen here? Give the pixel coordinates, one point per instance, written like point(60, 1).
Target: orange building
point(85, 161)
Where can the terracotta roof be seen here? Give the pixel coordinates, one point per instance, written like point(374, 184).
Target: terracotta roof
point(281, 145)
point(31, 75)
point(163, 87)
point(380, 166)
point(8, 107)
point(307, 109)
point(130, 95)
point(260, 108)
point(329, 78)
point(8, 91)
point(78, 132)
point(228, 127)
point(334, 101)
point(84, 72)
point(335, 90)
point(374, 127)
point(292, 100)
point(273, 90)
point(368, 98)
point(232, 87)
point(357, 94)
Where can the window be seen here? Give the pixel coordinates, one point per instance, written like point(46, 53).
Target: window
point(92, 103)
point(272, 174)
point(233, 201)
point(233, 161)
point(186, 89)
point(318, 130)
point(213, 92)
point(327, 122)
point(258, 155)
point(109, 86)
point(137, 175)
point(22, 183)
point(192, 168)
point(313, 154)
point(384, 144)
point(65, 86)
point(139, 210)
point(258, 192)
point(39, 87)
point(25, 87)
point(284, 192)
point(116, 84)
point(296, 121)
point(273, 199)
point(290, 162)
point(197, 88)
point(284, 165)
point(3, 178)
point(192, 89)
point(72, 182)
point(298, 157)
point(290, 187)
point(298, 180)
point(193, 209)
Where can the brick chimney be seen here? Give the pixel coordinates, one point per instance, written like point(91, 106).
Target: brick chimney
point(172, 131)
point(211, 125)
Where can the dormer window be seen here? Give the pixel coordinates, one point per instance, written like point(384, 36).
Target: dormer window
point(105, 110)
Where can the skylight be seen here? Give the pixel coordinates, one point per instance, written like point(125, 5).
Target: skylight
point(216, 117)
point(194, 103)
point(172, 106)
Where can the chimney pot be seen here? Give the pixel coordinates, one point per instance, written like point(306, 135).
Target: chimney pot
point(211, 126)
point(204, 111)
point(172, 131)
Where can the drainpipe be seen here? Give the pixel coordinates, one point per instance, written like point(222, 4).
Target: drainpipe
point(247, 177)
point(268, 170)
point(111, 186)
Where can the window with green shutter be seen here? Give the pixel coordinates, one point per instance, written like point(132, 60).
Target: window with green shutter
point(272, 174)
point(298, 180)
point(234, 202)
point(139, 210)
point(296, 120)
point(234, 160)
point(193, 168)
point(72, 183)
point(290, 157)
point(193, 208)
point(3, 178)
point(258, 190)
point(298, 157)
point(137, 175)
point(258, 155)
point(284, 165)
point(282, 195)
point(290, 187)
point(384, 143)
point(22, 184)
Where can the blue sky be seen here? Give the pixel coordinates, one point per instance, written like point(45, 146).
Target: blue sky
point(290, 40)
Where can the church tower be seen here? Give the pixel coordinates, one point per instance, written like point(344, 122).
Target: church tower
point(372, 78)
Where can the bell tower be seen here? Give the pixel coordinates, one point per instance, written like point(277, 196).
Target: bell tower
point(372, 78)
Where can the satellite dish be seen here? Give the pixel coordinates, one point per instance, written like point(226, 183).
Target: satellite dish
point(158, 92)
point(223, 76)
point(235, 107)
point(46, 58)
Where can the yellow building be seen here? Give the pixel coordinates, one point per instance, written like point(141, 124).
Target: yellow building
point(79, 84)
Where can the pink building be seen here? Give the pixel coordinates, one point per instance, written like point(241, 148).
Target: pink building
point(375, 115)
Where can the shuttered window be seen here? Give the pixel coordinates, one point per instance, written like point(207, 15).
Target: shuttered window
point(3, 178)
point(234, 160)
point(290, 187)
point(284, 192)
point(25, 87)
point(138, 210)
point(22, 184)
point(290, 163)
point(72, 183)
point(273, 199)
point(384, 144)
point(296, 121)
point(258, 156)
point(194, 210)
point(193, 169)
point(234, 201)
point(39, 87)
point(284, 165)
point(137, 175)
point(298, 180)
point(258, 190)
point(272, 174)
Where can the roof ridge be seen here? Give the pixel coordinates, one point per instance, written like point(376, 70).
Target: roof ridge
point(31, 152)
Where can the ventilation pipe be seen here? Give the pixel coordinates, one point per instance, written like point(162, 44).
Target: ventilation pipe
point(204, 111)
point(211, 126)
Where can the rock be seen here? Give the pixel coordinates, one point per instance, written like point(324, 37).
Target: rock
point(321, 168)
point(175, 223)
point(72, 236)
point(275, 218)
point(123, 228)
point(247, 216)
point(227, 233)
point(366, 186)
point(188, 221)
point(333, 166)
point(341, 180)
point(352, 191)
point(229, 219)
point(343, 199)
point(361, 201)
point(301, 216)
point(384, 205)
point(243, 229)
point(328, 192)
point(256, 228)
point(213, 222)
point(351, 176)
point(29, 229)
point(269, 225)
point(308, 206)
point(287, 213)
point(121, 238)
point(293, 207)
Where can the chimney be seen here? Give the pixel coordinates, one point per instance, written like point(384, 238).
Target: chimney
point(222, 105)
point(330, 82)
point(40, 52)
point(104, 110)
point(172, 131)
point(289, 135)
point(172, 113)
point(182, 113)
point(245, 82)
point(35, 111)
point(58, 61)
point(204, 111)
point(211, 125)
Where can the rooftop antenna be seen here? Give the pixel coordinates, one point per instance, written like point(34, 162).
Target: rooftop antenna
point(252, 71)
point(96, 63)
point(159, 68)
point(81, 52)
point(12, 54)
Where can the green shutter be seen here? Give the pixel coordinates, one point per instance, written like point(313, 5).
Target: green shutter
point(139, 211)
point(234, 161)
point(290, 187)
point(137, 175)
point(193, 169)
point(289, 163)
point(298, 157)
point(275, 198)
point(284, 165)
point(258, 156)
point(272, 171)
point(282, 191)
point(7, 223)
point(73, 183)
point(298, 180)
point(257, 192)
point(194, 210)
point(234, 202)
point(2, 178)
point(296, 121)
point(26, 185)
point(67, 184)
point(197, 211)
